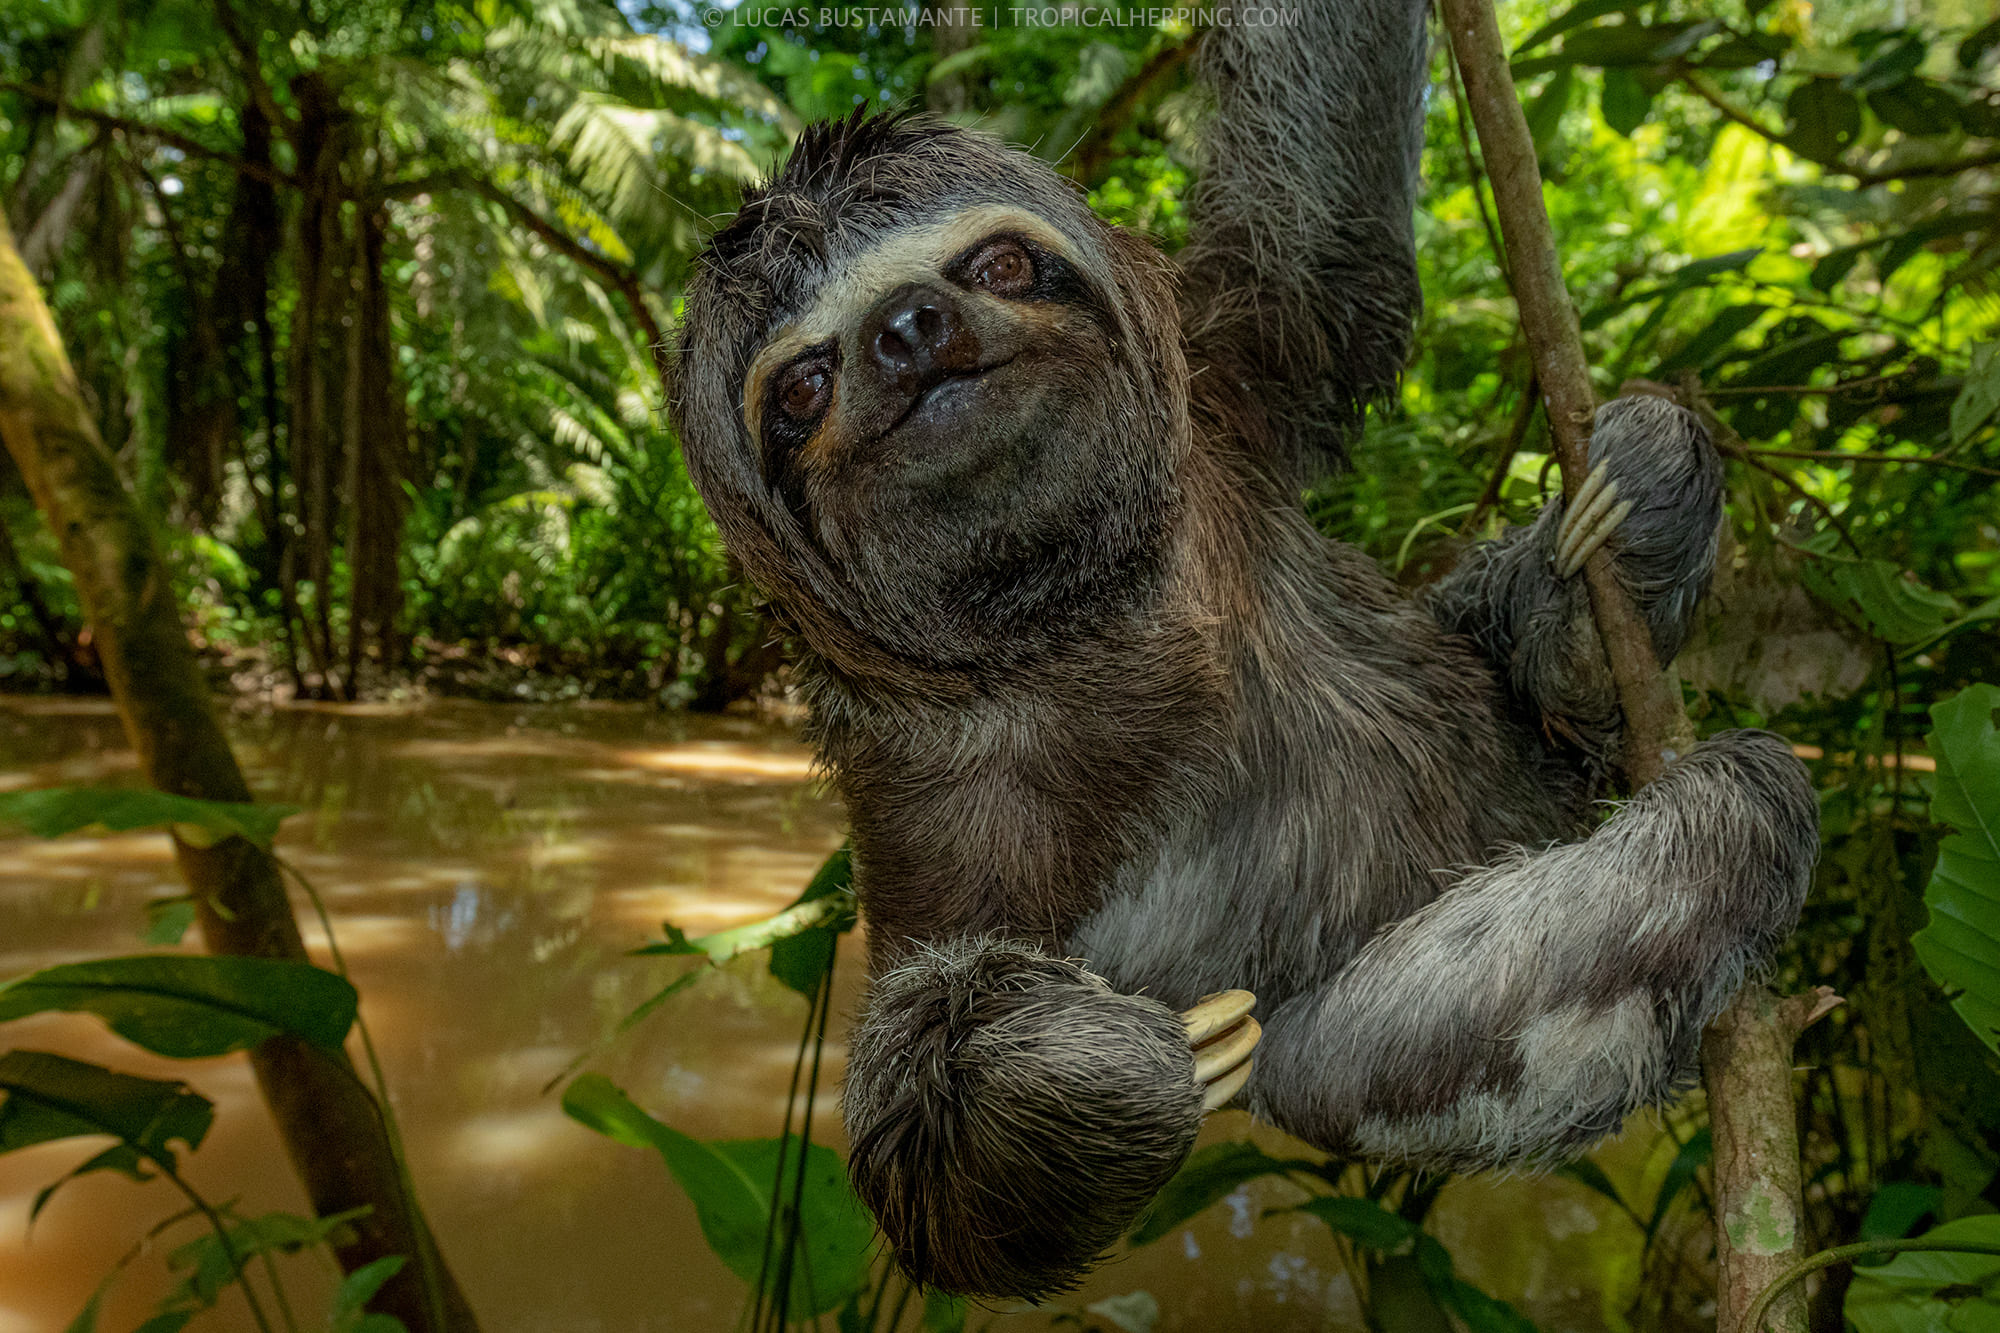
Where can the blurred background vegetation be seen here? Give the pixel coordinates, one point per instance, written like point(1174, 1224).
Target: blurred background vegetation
point(368, 297)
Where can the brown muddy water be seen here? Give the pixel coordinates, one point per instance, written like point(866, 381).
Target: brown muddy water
point(488, 868)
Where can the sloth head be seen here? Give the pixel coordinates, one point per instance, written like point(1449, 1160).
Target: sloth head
point(931, 401)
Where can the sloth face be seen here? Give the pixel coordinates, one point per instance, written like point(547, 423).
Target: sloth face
point(927, 396)
point(942, 366)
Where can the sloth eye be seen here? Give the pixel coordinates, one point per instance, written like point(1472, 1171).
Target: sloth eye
point(1005, 269)
point(806, 387)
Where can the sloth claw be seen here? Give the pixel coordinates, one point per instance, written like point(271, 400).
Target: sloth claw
point(1220, 1092)
point(1592, 518)
point(1222, 1034)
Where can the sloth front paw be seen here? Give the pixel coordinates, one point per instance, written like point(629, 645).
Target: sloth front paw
point(1655, 484)
point(1589, 520)
point(1222, 1034)
point(1010, 1115)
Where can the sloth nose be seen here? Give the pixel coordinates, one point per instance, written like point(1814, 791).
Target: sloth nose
point(917, 336)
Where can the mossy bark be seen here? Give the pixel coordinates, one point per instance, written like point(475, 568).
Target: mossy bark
point(330, 1123)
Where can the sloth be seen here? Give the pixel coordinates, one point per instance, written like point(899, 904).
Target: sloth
point(1128, 746)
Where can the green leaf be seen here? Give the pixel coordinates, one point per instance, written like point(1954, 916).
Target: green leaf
point(1633, 43)
point(1483, 1313)
point(1625, 101)
point(1545, 112)
point(1210, 1175)
point(1961, 945)
point(119, 1157)
point(359, 1288)
point(801, 961)
point(190, 1007)
point(1707, 347)
point(1825, 118)
point(1980, 398)
point(1915, 107)
point(1876, 596)
point(1692, 1157)
point(943, 1313)
point(1834, 265)
point(730, 1183)
point(86, 1318)
point(1574, 17)
point(209, 1263)
point(170, 1321)
point(1896, 1207)
point(168, 919)
point(1892, 63)
point(1932, 1291)
point(1363, 1221)
point(53, 811)
point(1974, 48)
point(1591, 1176)
point(51, 1097)
point(1745, 50)
point(1695, 273)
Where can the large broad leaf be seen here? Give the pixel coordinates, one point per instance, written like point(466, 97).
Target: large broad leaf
point(189, 1007)
point(731, 1182)
point(1480, 1312)
point(1545, 110)
point(1825, 119)
point(1916, 107)
point(51, 1097)
point(1363, 1221)
point(1625, 100)
point(1419, 1269)
point(1961, 945)
point(1210, 1175)
point(1877, 597)
point(1932, 1291)
point(53, 811)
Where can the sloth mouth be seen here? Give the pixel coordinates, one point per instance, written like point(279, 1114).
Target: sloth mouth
point(931, 391)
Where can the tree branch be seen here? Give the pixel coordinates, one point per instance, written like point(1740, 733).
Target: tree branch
point(1746, 1053)
point(1654, 719)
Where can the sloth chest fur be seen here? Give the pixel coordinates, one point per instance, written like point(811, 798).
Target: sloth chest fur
point(1263, 832)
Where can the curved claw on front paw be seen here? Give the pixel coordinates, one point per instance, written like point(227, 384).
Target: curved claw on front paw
point(1222, 1034)
point(1592, 518)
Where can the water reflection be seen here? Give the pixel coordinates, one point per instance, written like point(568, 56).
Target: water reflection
point(488, 868)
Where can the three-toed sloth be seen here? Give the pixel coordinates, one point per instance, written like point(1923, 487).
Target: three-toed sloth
point(1118, 729)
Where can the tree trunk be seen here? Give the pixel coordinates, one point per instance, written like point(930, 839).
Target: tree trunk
point(315, 442)
point(378, 463)
point(330, 1123)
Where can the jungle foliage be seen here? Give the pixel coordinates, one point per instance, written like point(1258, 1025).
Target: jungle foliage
point(369, 300)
